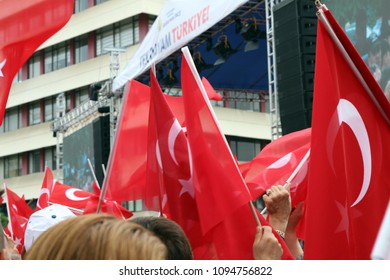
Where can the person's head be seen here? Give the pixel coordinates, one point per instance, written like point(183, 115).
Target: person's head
point(170, 233)
point(385, 50)
point(375, 54)
point(43, 219)
point(97, 237)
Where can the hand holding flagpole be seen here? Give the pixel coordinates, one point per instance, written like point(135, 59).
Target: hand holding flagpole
point(292, 176)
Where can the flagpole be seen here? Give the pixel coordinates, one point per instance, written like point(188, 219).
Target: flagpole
point(102, 193)
point(332, 34)
point(70, 208)
point(381, 249)
point(93, 173)
point(9, 213)
point(292, 176)
point(104, 170)
point(191, 64)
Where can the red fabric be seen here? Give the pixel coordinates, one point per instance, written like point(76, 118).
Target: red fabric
point(233, 237)
point(211, 93)
point(211, 155)
point(126, 169)
point(171, 168)
point(107, 206)
point(24, 26)
point(221, 194)
point(125, 179)
point(276, 162)
point(69, 196)
point(47, 185)
point(18, 214)
point(349, 182)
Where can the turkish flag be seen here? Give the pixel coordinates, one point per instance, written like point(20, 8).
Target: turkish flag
point(69, 196)
point(126, 168)
point(276, 162)
point(169, 164)
point(24, 26)
point(220, 191)
point(47, 185)
point(211, 156)
point(18, 214)
point(125, 179)
point(349, 179)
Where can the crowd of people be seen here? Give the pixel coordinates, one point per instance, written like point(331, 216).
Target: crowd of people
point(55, 233)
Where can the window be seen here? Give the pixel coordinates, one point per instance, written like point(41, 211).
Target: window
point(34, 66)
point(81, 96)
point(242, 100)
point(119, 35)
point(81, 48)
point(34, 113)
point(18, 77)
point(245, 149)
point(12, 120)
point(57, 57)
point(68, 102)
point(135, 205)
point(151, 20)
point(80, 5)
point(50, 157)
point(12, 166)
point(97, 2)
point(34, 161)
point(49, 109)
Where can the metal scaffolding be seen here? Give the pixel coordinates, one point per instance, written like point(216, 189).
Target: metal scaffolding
point(276, 128)
point(106, 99)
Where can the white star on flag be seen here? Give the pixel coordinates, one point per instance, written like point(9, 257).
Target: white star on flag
point(187, 187)
point(1, 67)
point(18, 241)
point(344, 222)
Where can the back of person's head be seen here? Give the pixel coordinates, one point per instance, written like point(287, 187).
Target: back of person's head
point(171, 234)
point(97, 237)
point(43, 219)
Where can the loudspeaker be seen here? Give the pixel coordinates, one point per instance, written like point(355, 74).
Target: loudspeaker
point(101, 135)
point(295, 28)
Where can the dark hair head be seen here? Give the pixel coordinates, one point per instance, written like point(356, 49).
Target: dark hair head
point(170, 233)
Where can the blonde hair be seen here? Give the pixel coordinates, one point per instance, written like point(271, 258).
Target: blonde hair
point(97, 237)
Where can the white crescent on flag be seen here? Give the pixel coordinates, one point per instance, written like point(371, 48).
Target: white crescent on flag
point(348, 114)
point(71, 194)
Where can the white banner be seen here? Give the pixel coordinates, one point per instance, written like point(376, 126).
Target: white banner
point(178, 23)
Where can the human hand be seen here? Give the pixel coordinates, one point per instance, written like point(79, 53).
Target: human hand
point(266, 246)
point(278, 202)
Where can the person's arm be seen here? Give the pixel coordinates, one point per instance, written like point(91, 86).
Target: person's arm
point(291, 238)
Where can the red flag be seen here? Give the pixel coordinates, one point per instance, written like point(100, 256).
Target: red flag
point(69, 196)
point(170, 160)
point(18, 214)
point(126, 168)
point(47, 185)
point(211, 93)
point(106, 206)
point(211, 156)
point(349, 182)
point(221, 194)
point(24, 26)
point(276, 162)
